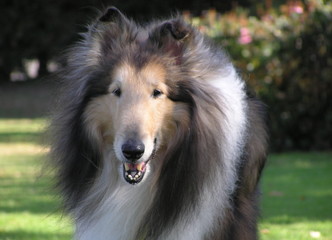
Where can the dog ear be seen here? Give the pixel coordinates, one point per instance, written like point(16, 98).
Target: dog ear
point(178, 29)
point(113, 30)
point(172, 37)
point(112, 14)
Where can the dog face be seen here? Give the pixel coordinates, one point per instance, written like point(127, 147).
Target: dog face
point(141, 107)
point(134, 117)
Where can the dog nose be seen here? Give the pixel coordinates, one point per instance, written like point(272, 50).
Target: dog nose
point(133, 149)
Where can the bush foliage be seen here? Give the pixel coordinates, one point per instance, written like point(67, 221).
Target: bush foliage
point(286, 55)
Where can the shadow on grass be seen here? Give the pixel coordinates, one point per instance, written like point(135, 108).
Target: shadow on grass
point(295, 209)
point(22, 137)
point(30, 99)
point(23, 235)
point(297, 186)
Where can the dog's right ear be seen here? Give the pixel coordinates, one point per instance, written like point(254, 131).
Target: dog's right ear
point(177, 29)
point(112, 14)
point(172, 36)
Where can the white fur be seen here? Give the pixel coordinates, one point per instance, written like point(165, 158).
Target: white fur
point(120, 209)
point(231, 89)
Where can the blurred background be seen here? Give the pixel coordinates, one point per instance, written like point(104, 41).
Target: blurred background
point(282, 48)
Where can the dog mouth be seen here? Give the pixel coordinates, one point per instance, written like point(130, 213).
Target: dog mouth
point(134, 173)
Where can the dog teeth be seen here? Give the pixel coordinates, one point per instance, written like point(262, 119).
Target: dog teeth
point(134, 175)
point(139, 166)
point(126, 165)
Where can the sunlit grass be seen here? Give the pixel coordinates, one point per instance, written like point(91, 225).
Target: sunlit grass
point(22, 125)
point(296, 230)
point(296, 200)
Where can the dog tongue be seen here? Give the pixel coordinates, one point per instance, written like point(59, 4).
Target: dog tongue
point(135, 167)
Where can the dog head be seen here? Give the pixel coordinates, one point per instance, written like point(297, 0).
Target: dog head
point(139, 110)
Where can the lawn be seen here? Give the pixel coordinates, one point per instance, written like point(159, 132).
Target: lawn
point(297, 193)
point(28, 207)
point(296, 201)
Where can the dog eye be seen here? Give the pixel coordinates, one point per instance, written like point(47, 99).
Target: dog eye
point(156, 93)
point(117, 92)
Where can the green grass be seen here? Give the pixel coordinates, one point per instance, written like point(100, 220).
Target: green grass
point(297, 196)
point(28, 207)
point(296, 201)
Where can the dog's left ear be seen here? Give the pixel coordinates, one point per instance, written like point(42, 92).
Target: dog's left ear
point(112, 14)
point(172, 37)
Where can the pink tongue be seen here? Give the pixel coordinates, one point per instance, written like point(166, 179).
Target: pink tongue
point(132, 166)
point(135, 167)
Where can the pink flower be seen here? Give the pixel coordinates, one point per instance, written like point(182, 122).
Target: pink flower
point(245, 36)
point(296, 9)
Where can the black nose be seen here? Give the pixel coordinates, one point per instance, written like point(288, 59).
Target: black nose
point(133, 149)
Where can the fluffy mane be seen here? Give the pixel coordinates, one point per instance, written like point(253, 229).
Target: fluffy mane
point(206, 184)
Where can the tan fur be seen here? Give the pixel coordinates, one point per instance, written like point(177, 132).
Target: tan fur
point(135, 110)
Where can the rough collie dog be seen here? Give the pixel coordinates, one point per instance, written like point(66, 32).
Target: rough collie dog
point(155, 136)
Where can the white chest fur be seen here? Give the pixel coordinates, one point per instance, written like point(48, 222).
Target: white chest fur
point(121, 209)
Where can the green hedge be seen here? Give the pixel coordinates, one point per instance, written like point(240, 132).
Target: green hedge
point(286, 55)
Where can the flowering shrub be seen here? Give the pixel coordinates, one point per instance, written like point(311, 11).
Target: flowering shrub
point(286, 55)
